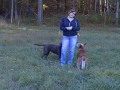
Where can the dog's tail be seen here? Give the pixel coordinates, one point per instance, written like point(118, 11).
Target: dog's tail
point(39, 44)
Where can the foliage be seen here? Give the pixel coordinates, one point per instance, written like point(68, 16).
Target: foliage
point(94, 19)
point(23, 9)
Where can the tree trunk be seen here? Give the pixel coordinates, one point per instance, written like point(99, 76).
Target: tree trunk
point(58, 4)
point(108, 10)
point(95, 6)
point(16, 12)
point(89, 5)
point(86, 8)
point(12, 10)
point(1, 5)
point(65, 5)
point(72, 4)
point(105, 9)
point(40, 11)
point(117, 12)
point(83, 6)
point(100, 6)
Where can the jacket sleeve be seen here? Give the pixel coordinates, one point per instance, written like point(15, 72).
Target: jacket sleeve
point(62, 27)
point(77, 28)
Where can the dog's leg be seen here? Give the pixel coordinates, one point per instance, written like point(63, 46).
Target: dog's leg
point(78, 63)
point(86, 62)
point(44, 55)
point(45, 52)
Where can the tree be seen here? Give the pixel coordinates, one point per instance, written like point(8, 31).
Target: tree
point(117, 12)
point(72, 4)
point(95, 7)
point(100, 6)
point(40, 11)
point(105, 9)
point(16, 11)
point(12, 2)
point(58, 5)
point(107, 4)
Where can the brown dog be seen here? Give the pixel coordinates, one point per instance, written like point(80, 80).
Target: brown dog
point(56, 49)
point(82, 61)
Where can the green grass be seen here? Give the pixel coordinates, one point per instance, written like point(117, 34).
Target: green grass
point(21, 67)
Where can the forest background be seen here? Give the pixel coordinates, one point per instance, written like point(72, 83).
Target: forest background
point(50, 11)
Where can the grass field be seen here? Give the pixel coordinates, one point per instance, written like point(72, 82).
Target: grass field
point(21, 67)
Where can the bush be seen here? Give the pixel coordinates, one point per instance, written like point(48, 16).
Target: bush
point(94, 19)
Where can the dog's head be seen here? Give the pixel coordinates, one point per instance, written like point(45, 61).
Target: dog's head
point(81, 45)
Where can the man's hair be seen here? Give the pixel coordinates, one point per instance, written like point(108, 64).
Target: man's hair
point(71, 10)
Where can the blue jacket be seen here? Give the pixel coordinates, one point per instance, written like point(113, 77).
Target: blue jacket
point(66, 23)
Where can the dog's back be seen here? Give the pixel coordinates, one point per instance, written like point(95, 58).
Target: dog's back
point(81, 52)
point(39, 44)
point(56, 49)
point(50, 48)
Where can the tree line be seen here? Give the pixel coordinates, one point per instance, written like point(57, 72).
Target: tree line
point(14, 9)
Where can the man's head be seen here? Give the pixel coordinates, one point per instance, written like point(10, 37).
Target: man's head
point(71, 13)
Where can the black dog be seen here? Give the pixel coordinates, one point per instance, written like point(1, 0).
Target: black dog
point(56, 49)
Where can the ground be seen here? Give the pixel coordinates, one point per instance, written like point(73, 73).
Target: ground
point(21, 67)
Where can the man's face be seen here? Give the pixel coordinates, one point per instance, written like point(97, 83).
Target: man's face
point(72, 14)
